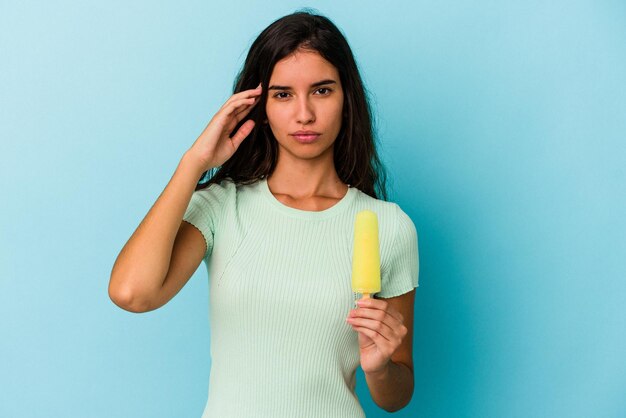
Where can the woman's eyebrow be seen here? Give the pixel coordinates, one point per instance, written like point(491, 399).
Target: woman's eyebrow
point(316, 84)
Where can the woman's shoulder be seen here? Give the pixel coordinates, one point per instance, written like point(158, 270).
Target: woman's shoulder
point(224, 184)
point(221, 189)
point(389, 213)
point(365, 201)
point(227, 192)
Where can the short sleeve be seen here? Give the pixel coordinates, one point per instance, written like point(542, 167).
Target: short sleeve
point(402, 269)
point(204, 210)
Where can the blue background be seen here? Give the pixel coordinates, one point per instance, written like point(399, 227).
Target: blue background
point(502, 124)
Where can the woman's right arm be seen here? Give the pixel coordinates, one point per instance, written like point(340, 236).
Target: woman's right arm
point(142, 266)
point(163, 252)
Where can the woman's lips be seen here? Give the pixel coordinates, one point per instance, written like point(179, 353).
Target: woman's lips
point(305, 138)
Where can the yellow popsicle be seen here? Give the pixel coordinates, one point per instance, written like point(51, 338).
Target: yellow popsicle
point(365, 254)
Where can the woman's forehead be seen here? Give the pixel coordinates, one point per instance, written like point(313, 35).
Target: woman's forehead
point(303, 68)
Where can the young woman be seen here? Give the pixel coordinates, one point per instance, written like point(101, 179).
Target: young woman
point(292, 160)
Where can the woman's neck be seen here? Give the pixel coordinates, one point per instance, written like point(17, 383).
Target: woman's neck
point(304, 179)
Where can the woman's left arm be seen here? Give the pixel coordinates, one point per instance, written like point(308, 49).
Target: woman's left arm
point(385, 328)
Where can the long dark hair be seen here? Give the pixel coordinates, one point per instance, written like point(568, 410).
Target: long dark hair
point(355, 157)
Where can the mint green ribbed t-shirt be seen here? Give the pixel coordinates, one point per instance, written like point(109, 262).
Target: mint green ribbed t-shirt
point(279, 293)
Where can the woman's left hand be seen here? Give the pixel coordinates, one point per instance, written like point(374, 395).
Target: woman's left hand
point(381, 330)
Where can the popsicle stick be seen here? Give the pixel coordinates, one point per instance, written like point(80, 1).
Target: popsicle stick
point(366, 296)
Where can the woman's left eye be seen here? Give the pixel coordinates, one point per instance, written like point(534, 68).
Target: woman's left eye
point(324, 88)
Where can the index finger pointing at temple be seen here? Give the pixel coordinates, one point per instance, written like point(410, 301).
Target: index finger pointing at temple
point(245, 94)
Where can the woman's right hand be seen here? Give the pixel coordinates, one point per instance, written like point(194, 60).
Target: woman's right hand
point(214, 146)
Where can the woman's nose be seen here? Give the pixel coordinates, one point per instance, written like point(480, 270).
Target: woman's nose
point(304, 112)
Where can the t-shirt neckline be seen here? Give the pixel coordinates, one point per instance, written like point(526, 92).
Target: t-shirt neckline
point(338, 207)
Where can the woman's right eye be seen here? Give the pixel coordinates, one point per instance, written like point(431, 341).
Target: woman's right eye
point(278, 95)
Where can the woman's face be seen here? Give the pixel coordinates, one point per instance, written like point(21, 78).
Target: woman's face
point(305, 94)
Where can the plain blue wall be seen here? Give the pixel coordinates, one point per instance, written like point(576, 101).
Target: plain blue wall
point(502, 124)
